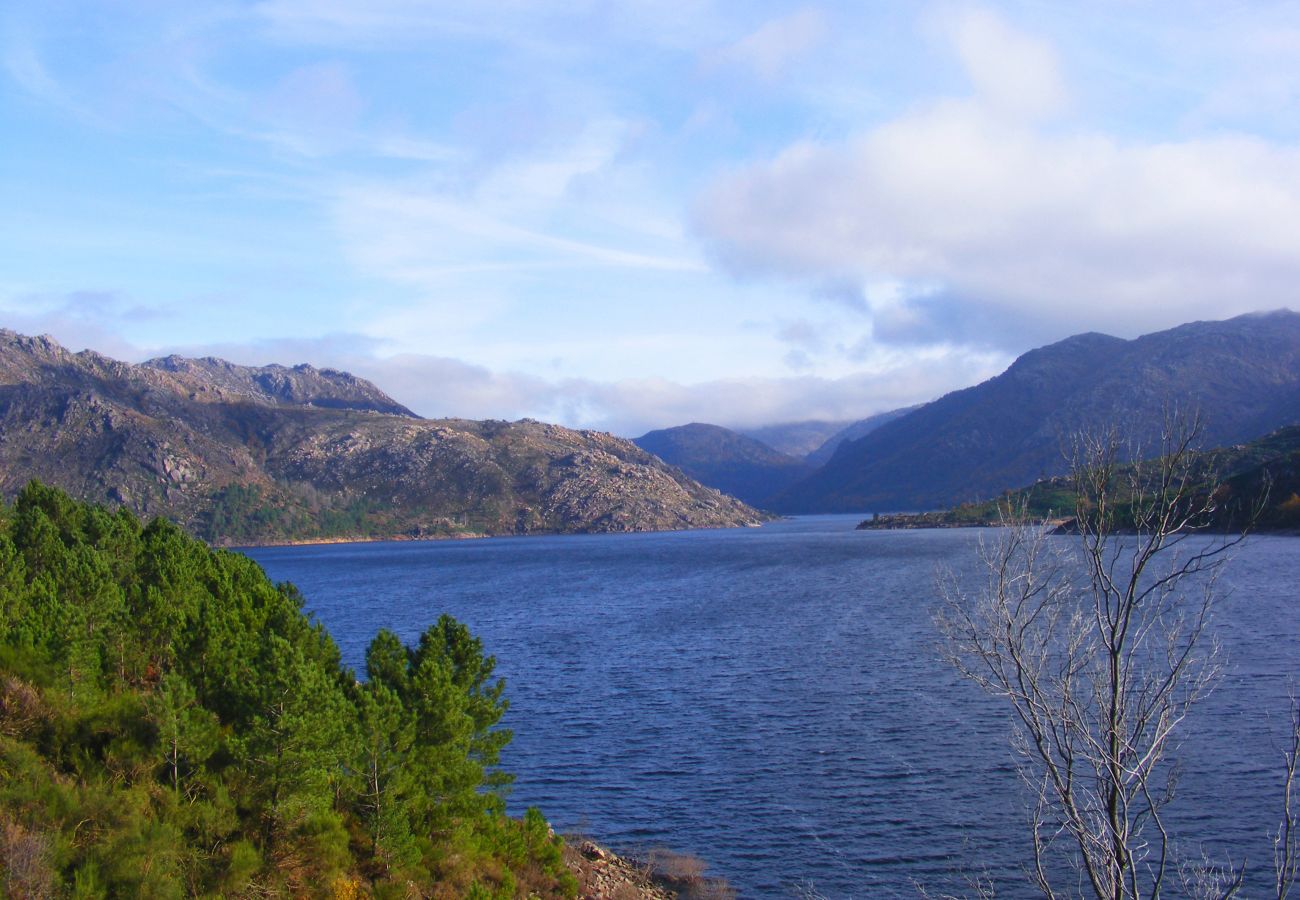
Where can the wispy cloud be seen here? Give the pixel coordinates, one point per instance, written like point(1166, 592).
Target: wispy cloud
point(23, 63)
point(774, 45)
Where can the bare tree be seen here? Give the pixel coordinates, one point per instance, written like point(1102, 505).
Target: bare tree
point(1286, 843)
point(1101, 648)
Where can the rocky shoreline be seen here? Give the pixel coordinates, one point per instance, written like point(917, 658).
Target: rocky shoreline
point(661, 875)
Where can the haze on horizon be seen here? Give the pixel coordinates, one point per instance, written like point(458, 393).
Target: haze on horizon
point(630, 215)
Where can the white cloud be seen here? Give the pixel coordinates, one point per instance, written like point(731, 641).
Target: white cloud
point(774, 45)
point(438, 386)
point(80, 320)
point(1011, 71)
point(1068, 226)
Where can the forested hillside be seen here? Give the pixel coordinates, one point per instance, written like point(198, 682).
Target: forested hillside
point(171, 723)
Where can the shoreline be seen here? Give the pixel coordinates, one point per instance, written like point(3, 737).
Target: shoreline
point(311, 542)
point(471, 536)
point(655, 874)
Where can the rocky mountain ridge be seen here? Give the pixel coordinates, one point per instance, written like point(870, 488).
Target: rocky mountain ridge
point(248, 454)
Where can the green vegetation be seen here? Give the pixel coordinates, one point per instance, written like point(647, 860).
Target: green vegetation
point(172, 724)
point(1255, 484)
point(248, 514)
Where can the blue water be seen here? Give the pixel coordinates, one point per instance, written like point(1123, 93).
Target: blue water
point(771, 699)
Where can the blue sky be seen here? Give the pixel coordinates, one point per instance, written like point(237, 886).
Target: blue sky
point(627, 215)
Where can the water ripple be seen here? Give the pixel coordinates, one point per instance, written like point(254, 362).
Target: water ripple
point(770, 699)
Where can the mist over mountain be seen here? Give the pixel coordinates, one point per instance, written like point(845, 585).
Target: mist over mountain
point(1242, 375)
point(797, 439)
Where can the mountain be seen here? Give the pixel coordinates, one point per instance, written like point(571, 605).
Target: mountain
point(851, 432)
point(300, 386)
point(238, 453)
point(796, 439)
point(1255, 486)
point(1242, 375)
point(727, 460)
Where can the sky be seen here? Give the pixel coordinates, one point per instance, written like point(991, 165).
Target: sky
point(633, 214)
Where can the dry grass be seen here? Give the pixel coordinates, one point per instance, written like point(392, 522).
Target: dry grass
point(24, 863)
point(684, 873)
point(21, 707)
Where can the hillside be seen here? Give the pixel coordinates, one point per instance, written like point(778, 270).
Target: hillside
point(173, 724)
point(1255, 485)
point(727, 460)
point(851, 432)
point(1243, 375)
point(245, 454)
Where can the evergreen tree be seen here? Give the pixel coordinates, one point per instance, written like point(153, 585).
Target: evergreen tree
point(171, 723)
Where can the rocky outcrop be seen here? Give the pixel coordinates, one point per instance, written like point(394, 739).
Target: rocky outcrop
point(238, 453)
point(301, 385)
point(659, 874)
point(604, 875)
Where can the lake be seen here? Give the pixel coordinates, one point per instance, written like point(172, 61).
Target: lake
point(771, 699)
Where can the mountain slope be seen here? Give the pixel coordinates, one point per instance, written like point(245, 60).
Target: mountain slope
point(248, 454)
point(851, 432)
point(1242, 374)
point(727, 460)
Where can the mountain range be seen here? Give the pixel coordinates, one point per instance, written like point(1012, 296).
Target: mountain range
point(1242, 376)
point(250, 454)
point(245, 454)
point(757, 464)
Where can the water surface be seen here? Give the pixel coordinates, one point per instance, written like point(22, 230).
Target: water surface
point(771, 700)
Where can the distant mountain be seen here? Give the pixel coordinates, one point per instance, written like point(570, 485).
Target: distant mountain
point(727, 460)
point(851, 432)
point(1242, 374)
point(797, 439)
point(238, 453)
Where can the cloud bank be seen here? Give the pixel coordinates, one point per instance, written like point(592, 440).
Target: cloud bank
point(438, 387)
point(992, 202)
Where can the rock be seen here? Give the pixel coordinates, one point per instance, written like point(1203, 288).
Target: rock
point(322, 450)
